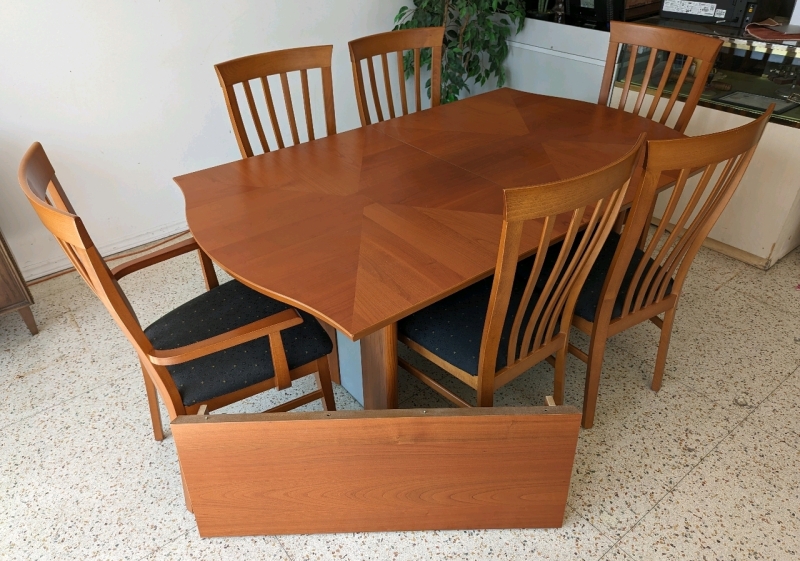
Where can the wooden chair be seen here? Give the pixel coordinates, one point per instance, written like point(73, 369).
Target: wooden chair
point(225, 345)
point(491, 332)
point(633, 279)
point(700, 49)
point(395, 42)
point(260, 67)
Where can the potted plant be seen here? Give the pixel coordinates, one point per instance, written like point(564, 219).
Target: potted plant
point(475, 40)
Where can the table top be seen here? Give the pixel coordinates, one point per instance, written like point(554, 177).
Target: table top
point(365, 227)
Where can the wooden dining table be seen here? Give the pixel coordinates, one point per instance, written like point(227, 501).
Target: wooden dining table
point(365, 227)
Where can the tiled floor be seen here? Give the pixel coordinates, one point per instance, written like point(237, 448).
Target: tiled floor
point(708, 468)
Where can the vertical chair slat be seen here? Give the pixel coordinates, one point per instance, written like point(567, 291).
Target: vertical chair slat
point(417, 72)
point(327, 94)
point(256, 118)
point(631, 63)
point(307, 103)
point(374, 87)
point(387, 85)
point(541, 254)
point(287, 99)
point(661, 84)
point(236, 116)
point(557, 277)
point(436, 78)
point(401, 76)
point(647, 287)
point(645, 81)
point(676, 89)
point(273, 117)
point(638, 283)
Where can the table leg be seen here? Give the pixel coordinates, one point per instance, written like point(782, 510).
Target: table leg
point(379, 368)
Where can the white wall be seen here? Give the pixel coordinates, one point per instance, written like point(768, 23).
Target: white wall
point(123, 96)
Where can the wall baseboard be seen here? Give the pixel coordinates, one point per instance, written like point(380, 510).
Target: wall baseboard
point(38, 269)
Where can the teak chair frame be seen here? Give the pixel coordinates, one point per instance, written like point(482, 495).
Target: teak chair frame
point(700, 49)
point(672, 259)
point(546, 333)
point(38, 181)
point(262, 66)
point(395, 42)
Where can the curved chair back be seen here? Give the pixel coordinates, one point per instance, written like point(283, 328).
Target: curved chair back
point(242, 71)
point(721, 160)
point(662, 42)
point(592, 201)
point(38, 181)
point(395, 42)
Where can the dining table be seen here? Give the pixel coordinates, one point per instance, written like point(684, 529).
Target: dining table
point(365, 227)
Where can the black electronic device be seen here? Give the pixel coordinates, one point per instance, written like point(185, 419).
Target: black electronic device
point(733, 13)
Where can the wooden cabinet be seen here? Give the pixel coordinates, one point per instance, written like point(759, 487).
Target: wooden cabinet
point(14, 293)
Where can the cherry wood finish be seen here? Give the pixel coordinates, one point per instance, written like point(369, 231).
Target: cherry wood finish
point(242, 71)
point(14, 293)
point(40, 185)
point(357, 471)
point(589, 202)
point(368, 226)
point(700, 49)
point(721, 160)
point(395, 43)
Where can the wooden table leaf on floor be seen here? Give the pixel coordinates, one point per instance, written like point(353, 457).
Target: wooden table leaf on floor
point(365, 227)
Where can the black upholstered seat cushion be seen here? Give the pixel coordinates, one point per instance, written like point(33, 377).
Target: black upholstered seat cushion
point(451, 328)
point(586, 305)
point(227, 307)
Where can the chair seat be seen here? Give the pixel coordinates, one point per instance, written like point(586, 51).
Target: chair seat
point(217, 311)
point(452, 328)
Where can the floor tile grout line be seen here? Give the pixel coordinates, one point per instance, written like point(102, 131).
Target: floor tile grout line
point(283, 548)
point(694, 467)
point(162, 546)
point(53, 406)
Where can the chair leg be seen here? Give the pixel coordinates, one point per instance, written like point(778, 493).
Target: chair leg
point(152, 402)
point(209, 273)
point(594, 366)
point(560, 375)
point(663, 348)
point(324, 383)
point(30, 321)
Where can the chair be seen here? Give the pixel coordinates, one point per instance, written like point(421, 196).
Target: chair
point(496, 329)
point(633, 279)
point(395, 42)
point(260, 67)
point(675, 45)
point(225, 345)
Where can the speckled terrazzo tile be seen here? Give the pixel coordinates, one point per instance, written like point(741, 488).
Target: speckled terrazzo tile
point(191, 547)
point(80, 481)
point(715, 266)
point(22, 352)
point(739, 503)
point(640, 448)
point(65, 378)
point(616, 554)
point(577, 539)
point(779, 414)
point(775, 287)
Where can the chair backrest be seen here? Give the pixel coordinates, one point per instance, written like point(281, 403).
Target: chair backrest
point(260, 67)
point(599, 195)
point(395, 42)
point(720, 160)
point(38, 181)
point(662, 42)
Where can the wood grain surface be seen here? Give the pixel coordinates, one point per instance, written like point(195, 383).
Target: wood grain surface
point(365, 227)
point(378, 471)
